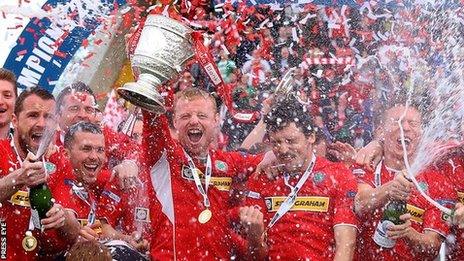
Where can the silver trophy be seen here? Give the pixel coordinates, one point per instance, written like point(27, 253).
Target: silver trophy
point(164, 48)
point(286, 85)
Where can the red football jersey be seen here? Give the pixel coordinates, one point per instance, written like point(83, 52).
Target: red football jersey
point(453, 168)
point(424, 216)
point(128, 210)
point(15, 212)
point(173, 190)
point(306, 231)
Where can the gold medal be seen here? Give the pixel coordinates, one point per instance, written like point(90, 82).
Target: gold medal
point(205, 216)
point(29, 242)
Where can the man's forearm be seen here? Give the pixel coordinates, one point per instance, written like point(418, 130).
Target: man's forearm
point(110, 232)
point(368, 200)
point(257, 248)
point(428, 242)
point(345, 240)
point(9, 185)
point(255, 136)
point(70, 230)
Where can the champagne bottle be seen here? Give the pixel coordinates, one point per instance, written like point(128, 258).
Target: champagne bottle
point(40, 198)
point(391, 216)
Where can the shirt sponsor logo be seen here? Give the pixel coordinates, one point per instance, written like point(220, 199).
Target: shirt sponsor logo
point(20, 198)
point(359, 172)
point(142, 214)
point(461, 196)
point(311, 203)
point(253, 194)
point(83, 221)
point(3, 242)
point(417, 213)
point(220, 183)
point(111, 195)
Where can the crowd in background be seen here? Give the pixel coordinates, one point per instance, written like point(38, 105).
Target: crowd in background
point(348, 61)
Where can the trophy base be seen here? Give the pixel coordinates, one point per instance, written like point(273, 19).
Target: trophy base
point(135, 94)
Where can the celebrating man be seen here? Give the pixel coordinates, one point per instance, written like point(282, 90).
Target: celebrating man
point(8, 94)
point(75, 185)
point(191, 181)
point(312, 198)
point(421, 228)
point(77, 103)
point(19, 172)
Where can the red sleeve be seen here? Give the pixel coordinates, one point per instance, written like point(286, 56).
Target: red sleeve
point(161, 245)
point(111, 204)
point(155, 137)
point(345, 191)
point(441, 190)
point(362, 176)
point(245, 163)
point(119, 146)
point(238, 239)
point(52, 243)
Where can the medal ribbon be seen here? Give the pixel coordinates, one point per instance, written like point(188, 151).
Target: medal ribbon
point(81, 193)
point(196, 177)
point(291, 198)
point(377, 175)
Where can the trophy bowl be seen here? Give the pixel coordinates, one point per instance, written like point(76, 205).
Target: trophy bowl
point(285, 87)
point(163, 50)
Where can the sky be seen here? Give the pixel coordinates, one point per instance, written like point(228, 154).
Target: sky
point(12, 22)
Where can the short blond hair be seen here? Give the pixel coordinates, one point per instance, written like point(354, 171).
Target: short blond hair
point(193, 93)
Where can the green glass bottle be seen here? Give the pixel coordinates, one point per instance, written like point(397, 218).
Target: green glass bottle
point(40, 198)
point(391, 216)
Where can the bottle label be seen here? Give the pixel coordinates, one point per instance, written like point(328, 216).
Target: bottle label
point(380, 236)
point(35, 218)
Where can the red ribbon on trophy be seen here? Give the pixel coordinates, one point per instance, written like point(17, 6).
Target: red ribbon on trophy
point(206, 61)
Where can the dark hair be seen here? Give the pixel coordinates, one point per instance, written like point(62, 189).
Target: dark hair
point(81, 126)
point(7, 75)
point(38, 91)
point(287, 111)
point(75, 87)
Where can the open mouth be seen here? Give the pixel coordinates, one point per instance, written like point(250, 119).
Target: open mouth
point(407, 141)
point(195, 135)
point(2, 110)
point(91, 167)
point(36, 136)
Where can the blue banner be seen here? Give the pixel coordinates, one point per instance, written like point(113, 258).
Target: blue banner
point(43, 50)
